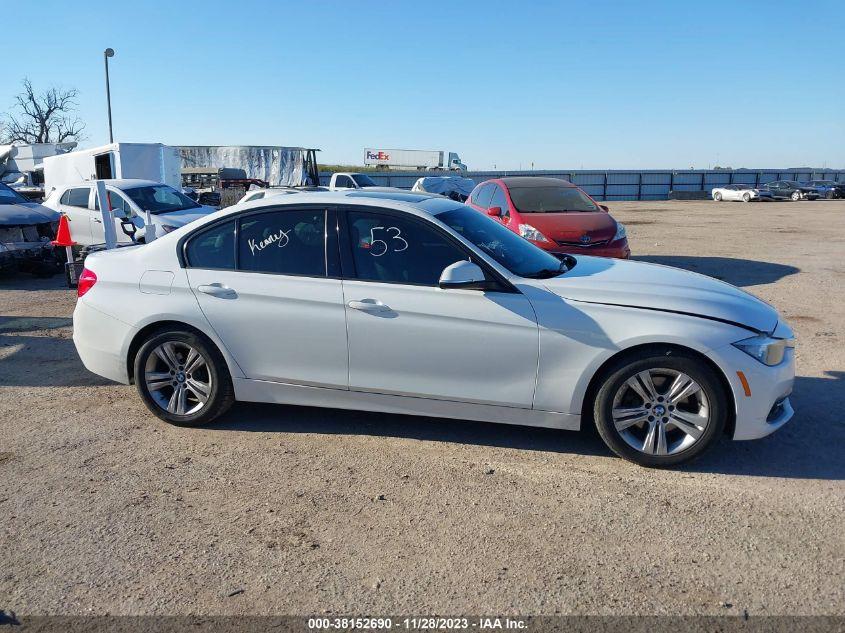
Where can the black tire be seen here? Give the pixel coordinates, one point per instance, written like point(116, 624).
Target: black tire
point(717, 197)
point(746, 197)
point(221, 395)
point(830, 195)
point(796, 196)
point(677, 360)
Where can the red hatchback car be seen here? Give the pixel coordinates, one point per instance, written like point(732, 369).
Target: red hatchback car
point(552, 213)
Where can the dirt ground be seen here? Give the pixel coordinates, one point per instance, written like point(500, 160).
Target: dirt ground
point(105, 509)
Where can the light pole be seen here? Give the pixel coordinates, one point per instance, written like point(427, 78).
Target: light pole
point(109, 52)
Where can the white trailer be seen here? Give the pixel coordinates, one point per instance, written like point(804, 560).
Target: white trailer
point(145, 161)
point(413, 159)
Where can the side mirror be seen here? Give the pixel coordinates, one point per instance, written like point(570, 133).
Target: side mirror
point(604, 208)
point(463, 274)
point(495, 212)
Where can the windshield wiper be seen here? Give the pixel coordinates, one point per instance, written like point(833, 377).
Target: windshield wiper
point(548, 273)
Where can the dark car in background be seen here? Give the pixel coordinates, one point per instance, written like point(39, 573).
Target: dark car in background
point(828, 188)
point(26, 229)
point(791, 190)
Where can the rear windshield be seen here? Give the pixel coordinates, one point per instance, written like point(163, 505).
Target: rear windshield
point(10, 196)
point(363, 180)
point(550, 200)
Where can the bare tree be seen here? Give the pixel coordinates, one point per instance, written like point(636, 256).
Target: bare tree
point(42, 118)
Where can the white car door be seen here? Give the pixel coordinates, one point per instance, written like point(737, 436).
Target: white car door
point(120, 208)
point(74, 204)
point(407, 336)
point(272, 297)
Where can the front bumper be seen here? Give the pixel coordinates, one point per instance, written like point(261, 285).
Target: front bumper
point(768, 407)
point(617, 250)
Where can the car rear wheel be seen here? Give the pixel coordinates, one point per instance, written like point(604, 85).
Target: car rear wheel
point(182, 378)
point(660, 409)
point(796, 196)
point(717, 197)
point(830, 195)
point(746, 197)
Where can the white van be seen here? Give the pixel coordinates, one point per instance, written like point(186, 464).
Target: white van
point(144, 161)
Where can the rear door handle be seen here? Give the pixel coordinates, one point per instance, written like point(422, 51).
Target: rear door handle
point(218, 290)
point(97, 220)
point(369, 305)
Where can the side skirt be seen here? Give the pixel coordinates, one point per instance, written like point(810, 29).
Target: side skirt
point(282, 393)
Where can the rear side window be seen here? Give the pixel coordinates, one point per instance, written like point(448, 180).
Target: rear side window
point(76, 197)
point(214, 248)
point(284, 243)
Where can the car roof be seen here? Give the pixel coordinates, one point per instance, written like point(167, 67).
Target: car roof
point(421, 204)
point(534, 181)
point(117, 183)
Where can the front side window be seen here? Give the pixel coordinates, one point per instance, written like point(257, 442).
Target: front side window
point(284, 243)
point(499, 200)
point(214, 248)
point(343, 182)
point(392, 249)
point(482, 197)
point(550, 199)
point(76, 197)
point(117, 203)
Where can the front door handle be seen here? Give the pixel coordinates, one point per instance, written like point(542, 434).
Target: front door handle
point(97, 220)
point(218, 290)
point(369, 305)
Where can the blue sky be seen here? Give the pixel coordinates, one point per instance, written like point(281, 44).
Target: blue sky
point(587, 84)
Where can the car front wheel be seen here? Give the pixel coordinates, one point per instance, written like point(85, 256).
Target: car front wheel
point(182, 378)
point(660, 409)
point(796, 196)
point(746, 197)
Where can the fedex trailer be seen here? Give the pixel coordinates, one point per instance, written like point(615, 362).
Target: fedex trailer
point(413, 159)
point(147, 161)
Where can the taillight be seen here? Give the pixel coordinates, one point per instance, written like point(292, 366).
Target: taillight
point(86, 281)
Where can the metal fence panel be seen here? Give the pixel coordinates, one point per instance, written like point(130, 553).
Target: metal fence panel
point(623, 184)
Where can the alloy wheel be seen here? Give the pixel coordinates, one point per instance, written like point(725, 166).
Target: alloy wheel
point(177, 377)
point(660, 411)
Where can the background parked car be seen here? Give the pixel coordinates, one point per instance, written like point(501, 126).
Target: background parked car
point(26, 229)
point(129, 199)
point(553, 214)
point(828, 188)
point(790, 190)
point(745, 193)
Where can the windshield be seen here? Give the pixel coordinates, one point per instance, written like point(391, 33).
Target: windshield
point(10, 196)
point(363, 181)
point(550, 200)
point(160, 199)
point(514, 253)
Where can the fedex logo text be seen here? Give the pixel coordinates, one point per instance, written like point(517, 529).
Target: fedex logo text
point(377, 155)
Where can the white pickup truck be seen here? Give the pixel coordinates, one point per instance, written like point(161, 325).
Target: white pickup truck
point(348, 180)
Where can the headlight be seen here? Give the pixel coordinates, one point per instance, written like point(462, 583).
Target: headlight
point(769, 351)
point(620, 232)
point(530, 233)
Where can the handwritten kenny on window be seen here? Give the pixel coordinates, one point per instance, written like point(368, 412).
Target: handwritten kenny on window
point(280, 239)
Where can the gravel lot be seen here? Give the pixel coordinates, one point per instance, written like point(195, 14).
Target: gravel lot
point(105, 509)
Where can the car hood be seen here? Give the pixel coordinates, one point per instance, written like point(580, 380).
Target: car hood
point(26, 213)
point(656, 287)
point(183, 217)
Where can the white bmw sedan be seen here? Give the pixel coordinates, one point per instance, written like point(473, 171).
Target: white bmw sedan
point(416, 304)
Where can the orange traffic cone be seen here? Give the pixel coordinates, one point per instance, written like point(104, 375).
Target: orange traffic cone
point(63, 234)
